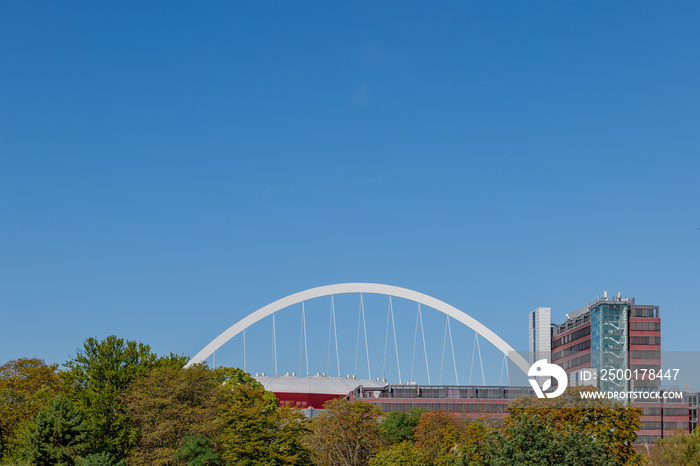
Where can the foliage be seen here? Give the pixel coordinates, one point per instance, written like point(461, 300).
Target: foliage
point(168, 404)
point(235, 376)
point(232, 376)
point(402, 454)
point(398, 426)
point(255, 432)
point(98, 376)
point(197, 450)
point(533, 440)
point(57, 435)
point(438, 433)
point(678, 448)
point(100, 459)
point(611, 423)
point(447, 439)
point(26, 385)
point(346, 433)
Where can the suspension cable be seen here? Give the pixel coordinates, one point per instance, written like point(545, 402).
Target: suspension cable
point(330, 330)
point(454, 361)
point(386, 338)
point(335, 332)
point(425, 351)
point(396, 345)
point(357, 347)
point(306, 345)
point(442, 358)
point(364, 325)
point(415, 339)
point(472, 365)
point(274, 346)
point(481, 363)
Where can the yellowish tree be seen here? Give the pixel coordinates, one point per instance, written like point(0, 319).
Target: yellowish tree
point(254, 431)
point(445, 438)
point(26, 386)
point(346, 434)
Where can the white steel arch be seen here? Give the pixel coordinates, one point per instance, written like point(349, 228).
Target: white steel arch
point(370, 288)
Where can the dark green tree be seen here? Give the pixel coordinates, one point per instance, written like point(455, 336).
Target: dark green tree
point(197, 450)
point(100, 459)
point(398, 426)
point(610, 422)
point(96, 379)
point(57, 436)
point(532, 440)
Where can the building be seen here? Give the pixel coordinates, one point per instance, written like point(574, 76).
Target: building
point(312, 392)
point(540, 340)
point(460, 400)
point(693, 401)
point(611, 334)
point(614, 343)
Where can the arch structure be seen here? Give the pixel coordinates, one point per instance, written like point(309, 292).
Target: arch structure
point(367, 288)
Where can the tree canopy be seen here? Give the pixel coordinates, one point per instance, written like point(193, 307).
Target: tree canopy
point(26, 386)
point(97, 378)
point(346, 433)
point(610, 422)
point(57, 436)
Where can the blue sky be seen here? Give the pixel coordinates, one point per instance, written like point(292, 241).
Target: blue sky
point(167, 168)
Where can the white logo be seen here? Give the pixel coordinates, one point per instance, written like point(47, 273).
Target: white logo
point(543, 369)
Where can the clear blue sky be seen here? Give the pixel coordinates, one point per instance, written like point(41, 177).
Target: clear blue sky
point(168, 167)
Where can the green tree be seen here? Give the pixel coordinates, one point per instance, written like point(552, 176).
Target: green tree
point(26, 385)
point(532, 440)
point(256, 432)
point(57, 436)
point(611, 423)
point(678, 448)
point(398, 426)
point(197, 450)
point(169, 404)
point(346, 433)
point(100, 459)
point(96, 379)
point(235, 376)
point(402, 454)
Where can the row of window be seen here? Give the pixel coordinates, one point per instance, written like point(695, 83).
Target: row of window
point(575, 362)
point(645, 326)
point(645, 312)
point(580, 333)
point(645, 385)
point(455, 392)
point(447, 407)
point(650, 411)
point(636, 340)
point(668, 425)
point(645, 354)
point(578, 347)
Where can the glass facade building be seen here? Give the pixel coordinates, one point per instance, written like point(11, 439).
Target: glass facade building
point(609, 338)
